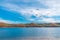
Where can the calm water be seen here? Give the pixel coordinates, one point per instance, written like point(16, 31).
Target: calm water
point(29, 33)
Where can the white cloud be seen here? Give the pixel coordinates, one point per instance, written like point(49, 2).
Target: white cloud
point(10, 7)
point(8, 21)
point(32, 11)
point(40, 12)
point(49, 20)
point(53, 5)
point(53, 10)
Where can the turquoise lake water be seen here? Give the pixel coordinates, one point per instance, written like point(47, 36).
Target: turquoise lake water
point(14, 33)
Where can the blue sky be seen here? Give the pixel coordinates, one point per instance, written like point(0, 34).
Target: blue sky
point(27, 11)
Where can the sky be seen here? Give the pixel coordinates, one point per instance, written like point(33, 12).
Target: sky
point(27, 11)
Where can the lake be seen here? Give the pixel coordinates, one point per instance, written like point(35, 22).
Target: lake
point(30, 33)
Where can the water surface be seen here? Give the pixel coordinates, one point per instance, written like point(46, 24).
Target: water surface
point(30, 33)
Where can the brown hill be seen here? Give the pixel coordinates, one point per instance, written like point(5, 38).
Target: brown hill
point(2, 24)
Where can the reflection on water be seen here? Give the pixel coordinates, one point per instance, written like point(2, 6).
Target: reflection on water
point(29, 33)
